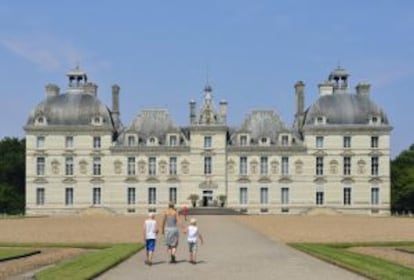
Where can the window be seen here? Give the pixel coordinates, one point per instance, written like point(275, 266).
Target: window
point(319, 166)
point(374, 166)
point(243, 195)
point(152, 141)
point(263, 166)
point(131, 141)
point(243, 140)
point(347, 165)
point(285, 195)
point(285, 140)
point(97, 166)
point(263, 140)
point(374, 142)
point(69, 166)
point(319, 198)
point(207, 141)
point(40, 166)
point(131, 196)
point(243, 165)
point(96, 196)
point(347, 141)
point(375, 196)
point(319, 120)
point(285, 165)
point(152, 166)
point(347, 196)
point(40, 142)
point(131, 166)
point(40, 196)
point(207, 165)
point(69, 142)
point(152, 196)
point(68, 196)
point(96, 142)
point(173, 166)
point(173, 195)
point(264, 195)
point(319, 142)
point(173, 140)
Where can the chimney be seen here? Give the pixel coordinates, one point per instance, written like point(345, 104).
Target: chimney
point(362, 89)
point(300, 97)
point(326, 88)
point(52, 90)
point(91, 89)
point(223, 111)
point(192, 112)
point(115, 105)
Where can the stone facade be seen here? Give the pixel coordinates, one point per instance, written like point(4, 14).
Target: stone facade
point(335, 158)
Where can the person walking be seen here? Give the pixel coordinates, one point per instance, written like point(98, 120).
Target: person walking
point(150, 235)
point(193, 234)
point(170, 223)
point(184, 211)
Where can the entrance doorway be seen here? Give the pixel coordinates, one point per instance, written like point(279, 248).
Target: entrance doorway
point(207, 198)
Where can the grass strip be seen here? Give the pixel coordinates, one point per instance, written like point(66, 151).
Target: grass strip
point(90, 265)
point(368, 266)
point(59, 245)
point(7, 254)
point(406, 249)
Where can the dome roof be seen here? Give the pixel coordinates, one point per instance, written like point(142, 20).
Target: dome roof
point(348, 109)
point(72, 110)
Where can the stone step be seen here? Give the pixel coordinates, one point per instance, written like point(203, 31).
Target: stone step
point(193, 211)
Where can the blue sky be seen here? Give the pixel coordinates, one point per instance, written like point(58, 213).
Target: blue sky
point(160, 53)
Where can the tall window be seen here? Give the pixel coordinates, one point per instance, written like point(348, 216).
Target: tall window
point(285, 165)
point(173, 166)
point(319, 166)
point(40, 142)
point(69, 166)
point(207, 165)
point(285, 140)
point(131, 141)
point(69, 142)
point(347, 141)
point(96, 142)
point(152, 196)
point(68, 196)
point(319, 142)
point(347, 196)
point(207, 141)
point(152, 166)
point(131, 196)
point(264, 195)
point(319, 198)
point(374, 141)
point(243, 165)
point(96, 166)
point(347, 165)
point(40, 166)
point(263, 166)
point(374, 166)
point(173, 140)
point(131, 166)
point(243, 195)
point(375, 196)
point(285, 195)
point(243, 140)
point(96, 196)
point(40, 196)
point(173, 195)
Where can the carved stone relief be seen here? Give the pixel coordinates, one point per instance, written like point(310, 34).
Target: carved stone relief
point(55, 166)
point(142, 167)
point(163, 167)
point(299, 166)
point(117, 167)
point(275, 167)
point(361, 166)
point(253, 167)
point(333, 167)
point(230, 166)
point(82, 166)
point(185, 167)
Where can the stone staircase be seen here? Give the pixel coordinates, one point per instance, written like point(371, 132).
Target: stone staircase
point(212, 211)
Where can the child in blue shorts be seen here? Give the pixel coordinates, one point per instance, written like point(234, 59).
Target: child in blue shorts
point(150, 235)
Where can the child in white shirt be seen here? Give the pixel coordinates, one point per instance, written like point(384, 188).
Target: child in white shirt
point(193, 235)
point(150, 235)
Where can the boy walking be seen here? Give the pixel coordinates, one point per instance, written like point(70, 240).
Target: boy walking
point(193, 234)
point(150, 235)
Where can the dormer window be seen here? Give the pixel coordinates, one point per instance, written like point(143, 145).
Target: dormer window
point(285, 140)
point(243, 140)
point(131, 141)
point(264, 141)
point(40, 120)
point(152, 141)
point(173, 140)
point(375, 120)
point(320, 120)
point(97, 120)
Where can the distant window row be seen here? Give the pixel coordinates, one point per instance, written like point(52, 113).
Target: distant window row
point(319, 166)
point(346, 142)
point(285, 140)
point(69, 142)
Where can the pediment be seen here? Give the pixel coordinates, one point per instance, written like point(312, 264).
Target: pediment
point(173, 179)
point(97, 181)
point(264, 179)
point(208, 184)
point(320, 180)
point(243, 179)
point(375, 180)
point(131, 179)
point(152, 180)
point(69, 181)
point(40, 181)
point(285, 180)
point(347, 180)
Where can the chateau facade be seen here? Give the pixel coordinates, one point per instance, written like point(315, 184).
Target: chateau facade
point(335, 157)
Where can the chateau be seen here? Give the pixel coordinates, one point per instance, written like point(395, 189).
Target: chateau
point(335, 157)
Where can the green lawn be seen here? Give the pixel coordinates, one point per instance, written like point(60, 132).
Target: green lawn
point(91, 264)
point(11, 253)
point(371, 267)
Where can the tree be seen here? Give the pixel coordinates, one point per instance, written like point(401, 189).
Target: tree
point(402, 181)
point(222, 199)
point(12, 175)
point(194, 198)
